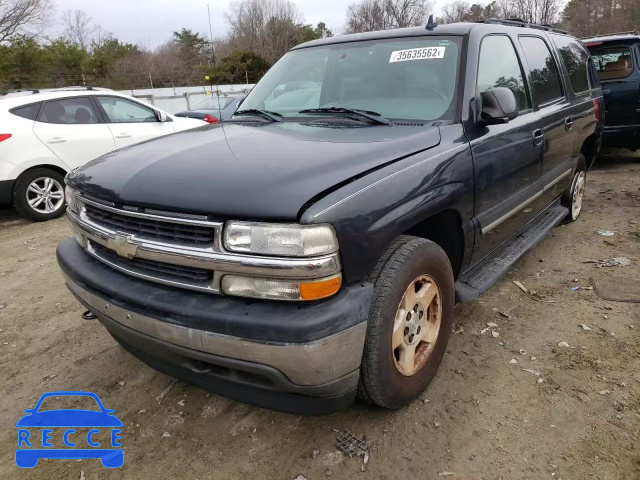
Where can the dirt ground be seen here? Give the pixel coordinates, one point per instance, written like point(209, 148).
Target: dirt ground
point(483, 417)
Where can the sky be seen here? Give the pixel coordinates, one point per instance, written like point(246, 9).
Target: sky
point(150, 23)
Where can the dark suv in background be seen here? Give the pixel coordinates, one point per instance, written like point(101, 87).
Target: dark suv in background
point(616, 58)
point(313, 246)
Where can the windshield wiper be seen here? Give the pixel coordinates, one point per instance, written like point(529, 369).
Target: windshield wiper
point(373, 116)
point(273, 116)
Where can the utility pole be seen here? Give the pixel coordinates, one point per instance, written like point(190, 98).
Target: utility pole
point(213, 52)
point(153, 96)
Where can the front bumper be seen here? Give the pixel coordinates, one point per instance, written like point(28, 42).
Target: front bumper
point(289, 357)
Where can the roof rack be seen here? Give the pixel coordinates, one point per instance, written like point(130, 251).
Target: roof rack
point(630, 32)
point(517, 22)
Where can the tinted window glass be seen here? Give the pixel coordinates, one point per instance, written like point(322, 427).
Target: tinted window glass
point(612, 62)
point(120, 110)
point(29, 111)
point(407, 78)
point(499, 67)
point(575, 58)
point(72, 111)
point(544, 72)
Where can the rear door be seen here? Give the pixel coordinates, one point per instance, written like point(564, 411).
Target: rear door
point(617, 66)
point(72, 129)
point(549, 96)
point(131, 122)
point(507, 157)
point(582, 88)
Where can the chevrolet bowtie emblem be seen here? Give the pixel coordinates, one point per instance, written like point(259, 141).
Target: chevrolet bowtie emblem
point(123, 246)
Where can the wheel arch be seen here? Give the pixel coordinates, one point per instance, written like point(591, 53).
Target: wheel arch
point(444, 228)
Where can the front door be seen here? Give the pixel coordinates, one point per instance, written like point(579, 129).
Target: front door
point(72, 130)
point(620, 79)
point(507, 158)
point(132, 122)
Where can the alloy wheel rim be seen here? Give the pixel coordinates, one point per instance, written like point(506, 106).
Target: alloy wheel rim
point(578, 195)
point(416, 325)
point(45, 195)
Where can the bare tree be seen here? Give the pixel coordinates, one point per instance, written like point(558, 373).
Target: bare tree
point(78, 27)
point(19, 17)
point(267, 27)
point(594, 17)
point(537, 11)
point(368, 15)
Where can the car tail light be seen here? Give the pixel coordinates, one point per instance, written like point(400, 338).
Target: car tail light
point(4, 136)
point(210, 119)
point(596, 110)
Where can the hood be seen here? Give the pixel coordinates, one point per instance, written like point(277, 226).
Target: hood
point(263, 171)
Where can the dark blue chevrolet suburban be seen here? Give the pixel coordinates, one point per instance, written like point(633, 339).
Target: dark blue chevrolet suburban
point(311, 249)
point(616, 58)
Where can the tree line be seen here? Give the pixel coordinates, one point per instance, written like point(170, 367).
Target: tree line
point(259, 32)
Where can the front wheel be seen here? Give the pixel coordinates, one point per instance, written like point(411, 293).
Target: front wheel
point(39, 194)
point(409, 324)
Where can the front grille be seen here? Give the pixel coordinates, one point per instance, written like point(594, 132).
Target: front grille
point(194, 235)
point(165, 271)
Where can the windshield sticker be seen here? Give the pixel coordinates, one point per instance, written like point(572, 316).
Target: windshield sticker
point(423, 53)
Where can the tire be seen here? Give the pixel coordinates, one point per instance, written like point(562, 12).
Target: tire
point(574, 195)
point(384, 379)
point(22, 194)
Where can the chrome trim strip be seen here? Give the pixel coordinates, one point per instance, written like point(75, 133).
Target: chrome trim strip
point(515, 210)
point(312, 363)
point(226, 262)
point(157, 279)
point(149, 216)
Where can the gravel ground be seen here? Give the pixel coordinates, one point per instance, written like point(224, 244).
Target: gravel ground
point(483, 417)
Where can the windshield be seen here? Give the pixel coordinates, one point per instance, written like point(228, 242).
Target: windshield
point(397, 78)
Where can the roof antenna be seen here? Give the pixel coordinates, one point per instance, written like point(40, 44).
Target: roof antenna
point(431, 24)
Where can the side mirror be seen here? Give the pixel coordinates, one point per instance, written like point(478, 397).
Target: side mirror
point(499, 105)
point(162, 117)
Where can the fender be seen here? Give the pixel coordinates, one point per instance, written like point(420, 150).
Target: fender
point(389, 201)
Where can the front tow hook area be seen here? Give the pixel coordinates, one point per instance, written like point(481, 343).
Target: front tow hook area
point(88, 315)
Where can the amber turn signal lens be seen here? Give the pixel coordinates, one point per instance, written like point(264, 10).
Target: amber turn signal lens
point(320, 289)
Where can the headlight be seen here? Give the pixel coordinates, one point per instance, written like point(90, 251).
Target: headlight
point(272, 289)
point(280, 239)
point(71, 199)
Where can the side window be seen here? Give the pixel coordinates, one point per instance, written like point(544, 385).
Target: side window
point(612, 62)
point(30, 112)
point(120, 110)
point(499, 67)
point(575, 59)
point(71, 111)
point(544, 71)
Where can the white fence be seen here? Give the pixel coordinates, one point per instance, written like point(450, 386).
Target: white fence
point(173, 100)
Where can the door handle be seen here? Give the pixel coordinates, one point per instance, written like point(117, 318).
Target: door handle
point(538, 137)
point(123, 135)
point(568, 123)
point(57, 140)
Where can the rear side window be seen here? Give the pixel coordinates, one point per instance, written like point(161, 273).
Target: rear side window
point(499, 67)
point(575, 58)
point(30, 112)
point(544, 71)
point(612, 62)
point(69, 111)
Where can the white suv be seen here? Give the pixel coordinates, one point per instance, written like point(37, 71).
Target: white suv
point(45, 134)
